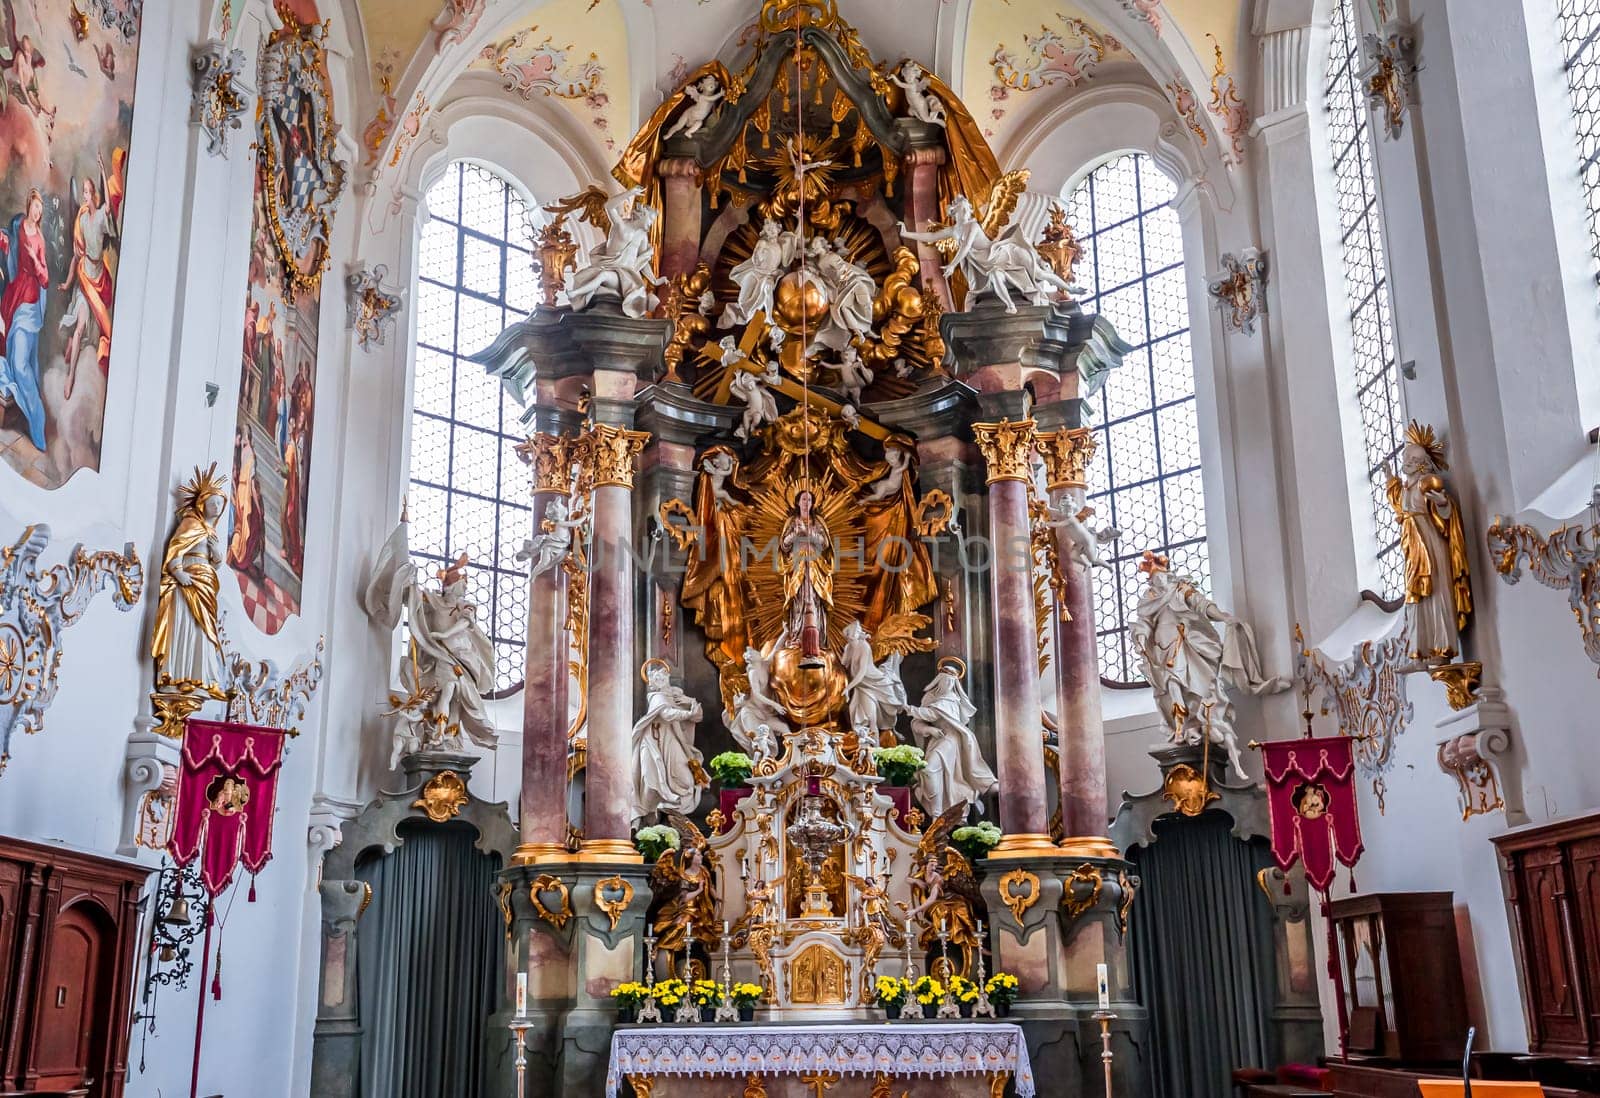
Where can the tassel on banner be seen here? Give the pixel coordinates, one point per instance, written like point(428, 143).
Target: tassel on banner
point(216, 977)
point(251, 898)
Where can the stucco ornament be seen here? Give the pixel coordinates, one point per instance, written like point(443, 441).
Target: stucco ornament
point(1239, 289)
point(447, 670)
point(623, 268)
point(218, 105)
point(1568, 557)
point(1390, 73)
point(36, 606)
point(1195, 655)
point(1366, 693)
point(370, 308)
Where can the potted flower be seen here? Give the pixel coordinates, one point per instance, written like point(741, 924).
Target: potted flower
point(655, 841)
point(670, 993)
point(731, 768)
point(707, 994)
point(891, 993)
point(976, 840)
point(928, 991)
point(965, 993)
point(628, 997)
point(899, 765)
point(1002, 989)
point(745, 997)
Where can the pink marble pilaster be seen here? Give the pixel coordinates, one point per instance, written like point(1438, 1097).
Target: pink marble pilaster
point(680, 222)
point(1082, 746)
point(920, 168)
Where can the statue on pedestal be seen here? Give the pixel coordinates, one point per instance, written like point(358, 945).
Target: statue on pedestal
point(1193, 652)
point(185, 643)
point(667, 770)
point(447, 671)
point(704, 95)
point(685, 893)
point(624, 267)
point(945, 891)
point(1438, 583)
point(921, 103)
point(956, 774)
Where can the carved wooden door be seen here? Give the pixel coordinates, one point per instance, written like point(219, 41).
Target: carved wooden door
point(1583, 858)
point(71, 1000)
point(1558, 1013)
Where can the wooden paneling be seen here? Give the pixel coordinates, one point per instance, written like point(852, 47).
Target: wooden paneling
point(67, 945)
point(1551, 874)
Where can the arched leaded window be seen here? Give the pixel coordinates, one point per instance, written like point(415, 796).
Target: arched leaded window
point(1145, 479)
point(1377, 371)
point(469, 491)
point(1580, 30)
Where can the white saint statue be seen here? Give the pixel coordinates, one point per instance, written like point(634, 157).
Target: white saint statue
point(755, 715)
point(854, 374)
point(1083, 544)
point(876, 694)
point(920, 101)
point(757, 276)
point(760, 406)
point(666, 764)
point(850, 294)
point(551, 546)
point(1193, 652)
point(447, 670)
point(942, 726)
point(992, 267)
point(703, 95)
point(624, 267)
point(888, 486)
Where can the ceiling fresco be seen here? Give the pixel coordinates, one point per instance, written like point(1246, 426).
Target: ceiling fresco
point(1009, 56)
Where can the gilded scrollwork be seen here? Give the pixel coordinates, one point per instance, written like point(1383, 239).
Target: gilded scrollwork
point(1568, 557)
point(1367, 695)
point(36, 607)
point(1075, 901)
point(217, 106)
point(1019, 900)
point(370, 308)
point(443, 797)
point(1240, 289)
point(558, 915)
point(612, 895)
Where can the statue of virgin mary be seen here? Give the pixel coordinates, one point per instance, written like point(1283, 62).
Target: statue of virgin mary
point(806, 560)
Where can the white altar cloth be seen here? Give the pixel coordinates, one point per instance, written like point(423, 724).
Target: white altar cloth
point(852, 1048)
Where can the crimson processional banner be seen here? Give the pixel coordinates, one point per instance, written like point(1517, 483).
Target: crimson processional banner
point(227, 787)
point(1311, 795)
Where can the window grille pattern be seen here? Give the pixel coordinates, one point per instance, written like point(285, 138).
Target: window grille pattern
point(1580, 27)
point(1145, 479)
point(469, 492)
point(1377, 373)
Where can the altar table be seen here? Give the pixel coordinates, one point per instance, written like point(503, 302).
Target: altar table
point(815, 1059)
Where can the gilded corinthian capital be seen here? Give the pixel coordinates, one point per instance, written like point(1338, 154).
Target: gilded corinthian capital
point(1006, 448)
point(551, 458)
point(614, 451)
point(1067, 453)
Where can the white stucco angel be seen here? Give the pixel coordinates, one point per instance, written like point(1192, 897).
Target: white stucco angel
point(703, 95)
point(850, 294)
point(1194, 654)
point(1083, 544)
point(876, 694)
point(719, 464)
point(770, 256)
point(447, 670)
point(992, 265)
point(624, 266)
point(957, 772)
point(554, 541)
point(760, 406)
point(667, 771)
point(920, 101)
point(854, 374)
point(755, 720)
point(888, 486)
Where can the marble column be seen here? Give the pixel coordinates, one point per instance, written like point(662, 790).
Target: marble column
point(614, 452)
point(1082, 747)
point(1007, 447)
point(680, 229)
point(920, 169)
point(545, 698)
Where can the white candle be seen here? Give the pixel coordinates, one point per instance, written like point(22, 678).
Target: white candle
point(1103, 980)
point(522, 994)
point(724, 928)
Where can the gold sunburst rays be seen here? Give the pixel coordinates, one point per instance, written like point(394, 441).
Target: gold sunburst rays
point(771, 505)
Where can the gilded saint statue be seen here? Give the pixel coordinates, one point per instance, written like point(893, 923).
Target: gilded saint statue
point(807, 565)
point(186, 644)
point(1438, 586)
point(685, 893)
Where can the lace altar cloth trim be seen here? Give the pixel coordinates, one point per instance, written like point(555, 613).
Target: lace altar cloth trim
point(909, 1048)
